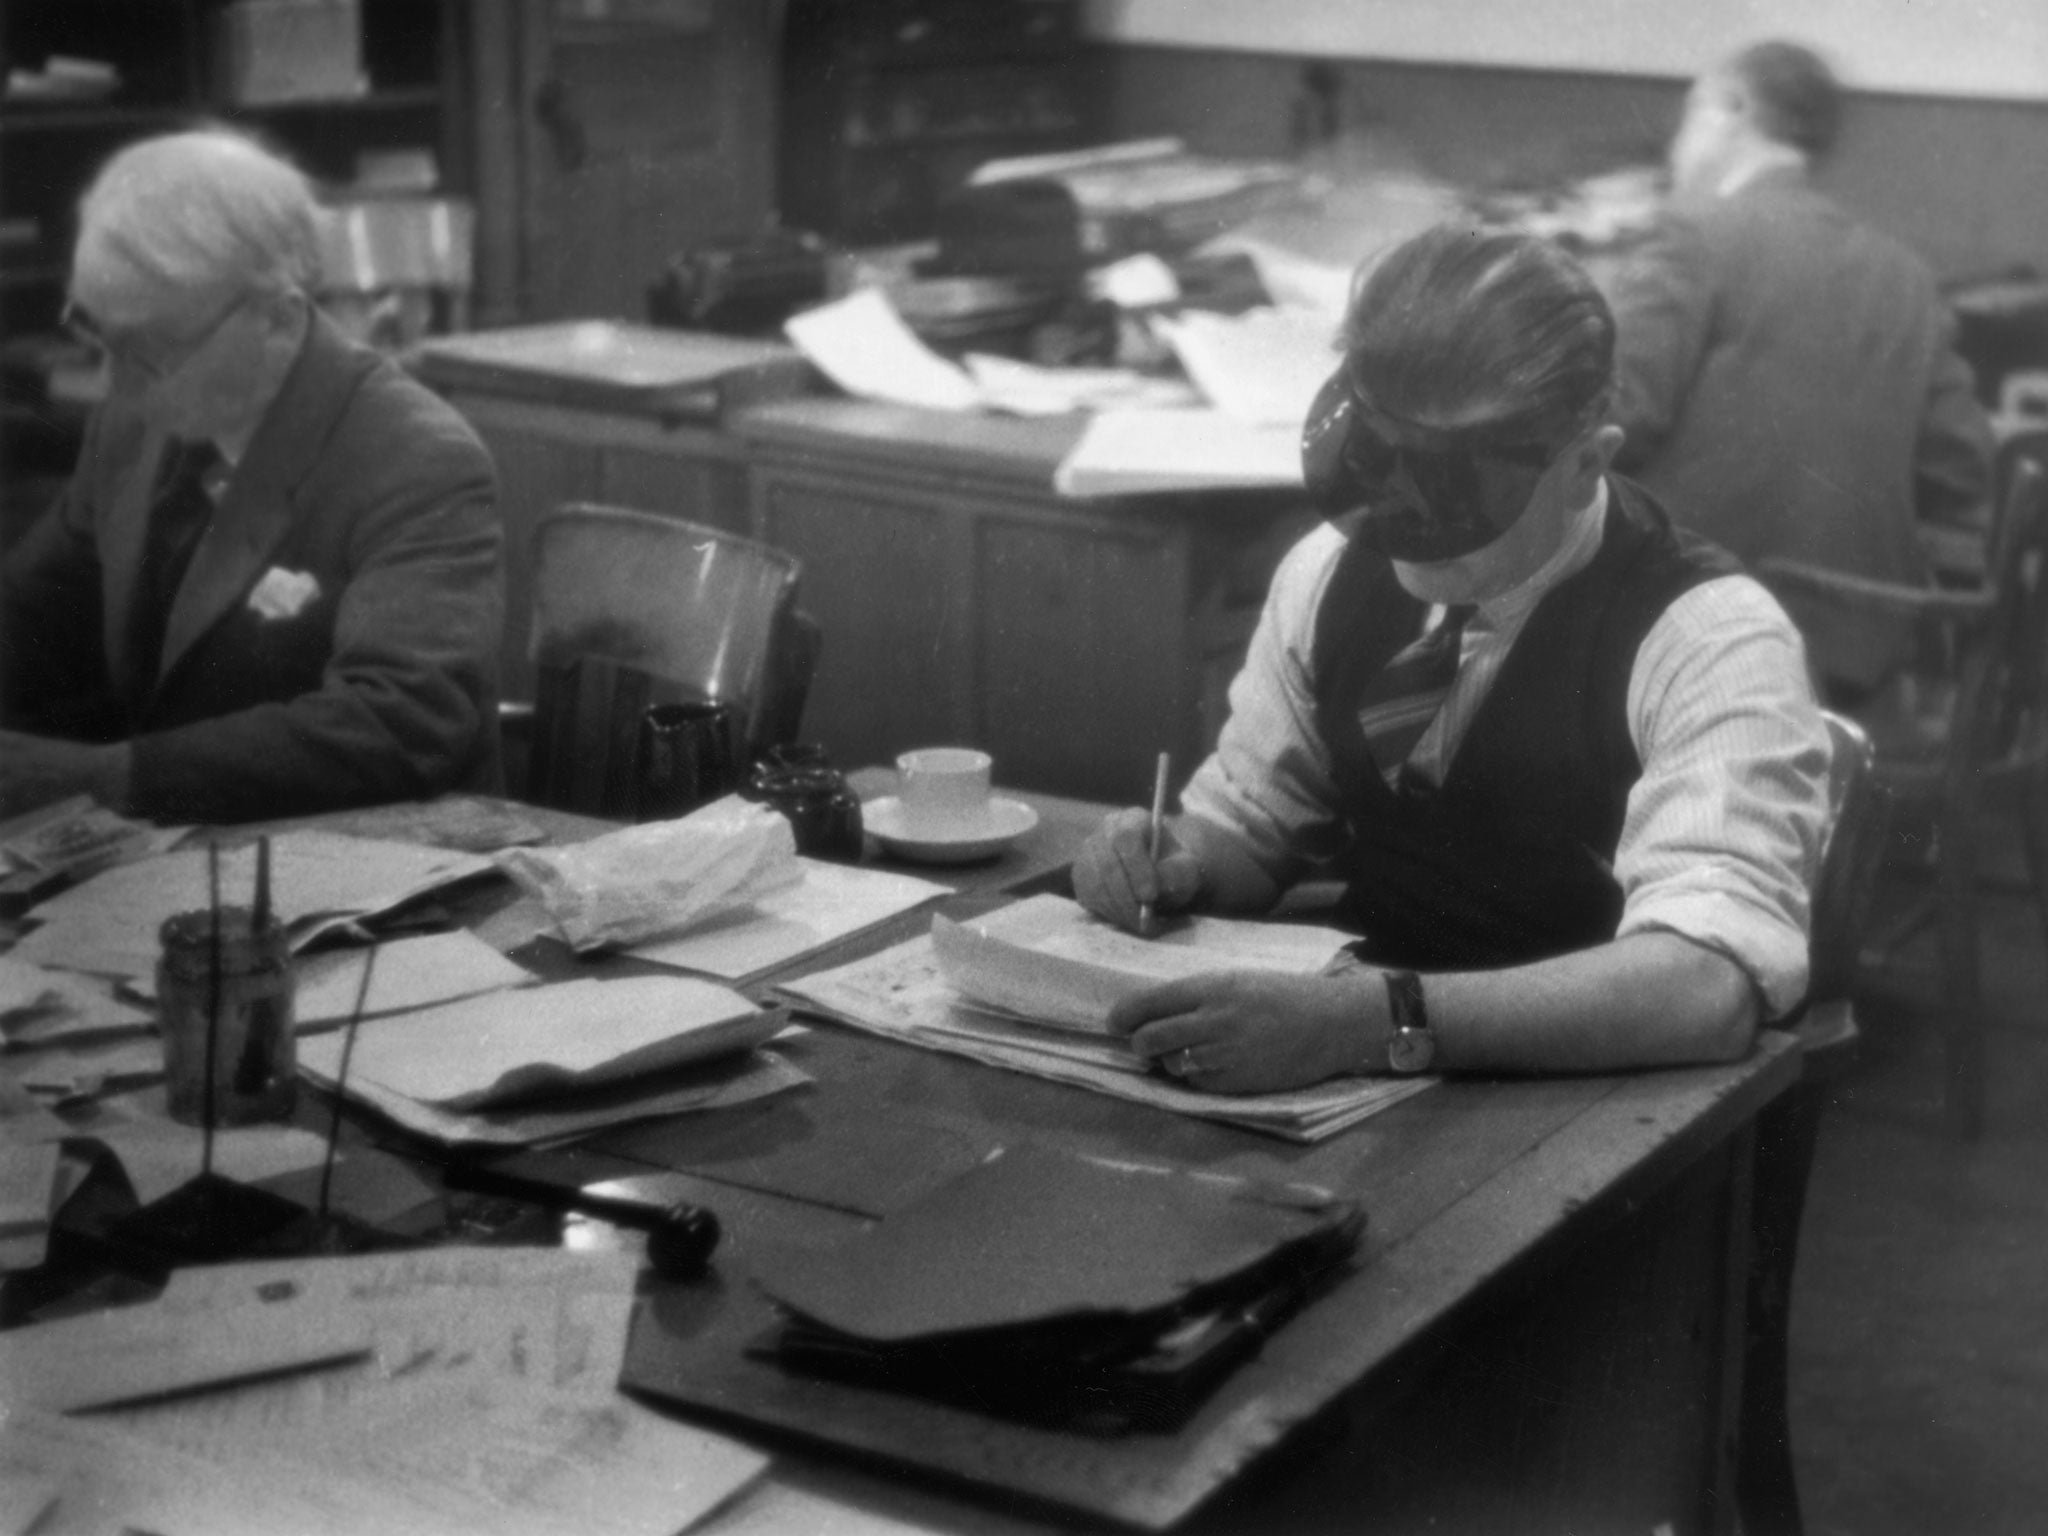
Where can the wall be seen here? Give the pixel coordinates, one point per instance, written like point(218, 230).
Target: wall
point(1964, 179)
point(1976, 48)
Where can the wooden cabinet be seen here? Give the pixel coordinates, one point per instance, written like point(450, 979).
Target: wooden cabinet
point(962, 600)
point(620, 132)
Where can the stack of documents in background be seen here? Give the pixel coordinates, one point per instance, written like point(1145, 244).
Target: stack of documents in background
point(1045, 973)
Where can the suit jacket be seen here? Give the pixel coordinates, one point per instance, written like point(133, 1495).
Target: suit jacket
point(335, 639)
point(1788, 386)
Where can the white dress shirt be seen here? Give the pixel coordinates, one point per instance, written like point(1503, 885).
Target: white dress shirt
point(1723, 831)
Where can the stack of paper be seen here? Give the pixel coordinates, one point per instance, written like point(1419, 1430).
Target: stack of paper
point(108, 925)
point(1135, 452)
point(1071, 967)
point(543, 1063)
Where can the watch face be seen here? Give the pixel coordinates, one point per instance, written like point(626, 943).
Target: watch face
point(1411, 1050)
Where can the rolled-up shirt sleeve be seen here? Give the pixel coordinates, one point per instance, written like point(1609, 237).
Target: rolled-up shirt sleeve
point(1270, 782)
point(1724, 829)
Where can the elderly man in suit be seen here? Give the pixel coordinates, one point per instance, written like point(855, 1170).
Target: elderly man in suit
point(273, 584)
point(1785, 375)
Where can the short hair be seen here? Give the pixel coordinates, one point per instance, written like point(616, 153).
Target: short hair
point(206, 208)
point(1793, 93)
point(1466, 325)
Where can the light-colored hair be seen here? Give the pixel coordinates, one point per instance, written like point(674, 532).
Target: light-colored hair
point(1471, 325)
point(210, 208)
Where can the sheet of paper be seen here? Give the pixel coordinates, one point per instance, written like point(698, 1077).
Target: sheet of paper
point(158, 1154)
point(453, 821)
point(28, 1182)
point(127, 1354)
point(900, 994)
point(828, 903)
point(861, 344)
point(1130, 452)
point(716, 1085)
point(1263, 366)
point(492, 1404)
point(39, 1005)
point(409, 973)
point(86, 1066)
point(108, 925)
point(1026, 389)
point(23, 1118)
point(505, 1045)
point(94, 1479)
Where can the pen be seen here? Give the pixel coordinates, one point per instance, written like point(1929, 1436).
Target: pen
point(1146, 924)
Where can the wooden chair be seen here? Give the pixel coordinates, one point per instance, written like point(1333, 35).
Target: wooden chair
point(1951, 734)
point(1788, 1131)
point(632, 609)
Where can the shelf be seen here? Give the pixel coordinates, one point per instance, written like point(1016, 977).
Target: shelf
point(419, 98)
point(50, 117)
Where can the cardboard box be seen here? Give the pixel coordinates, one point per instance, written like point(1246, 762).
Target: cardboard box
point(291, 50)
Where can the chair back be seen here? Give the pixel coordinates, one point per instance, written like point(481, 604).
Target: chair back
point(631, 608)
point(1858, 810)
point(2001, 720)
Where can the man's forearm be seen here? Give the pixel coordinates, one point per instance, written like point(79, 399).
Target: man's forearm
point(1650, 999)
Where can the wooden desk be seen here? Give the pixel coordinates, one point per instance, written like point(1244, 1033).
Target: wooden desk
point(1542, 1331)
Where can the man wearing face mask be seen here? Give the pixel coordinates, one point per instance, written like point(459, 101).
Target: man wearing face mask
point(1785, 374)
point(1565, 759)
point(273, 584)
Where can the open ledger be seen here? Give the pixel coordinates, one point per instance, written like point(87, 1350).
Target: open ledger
point(1030, 987)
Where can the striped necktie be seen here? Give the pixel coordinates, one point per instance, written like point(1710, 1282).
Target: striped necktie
point(1398, 705)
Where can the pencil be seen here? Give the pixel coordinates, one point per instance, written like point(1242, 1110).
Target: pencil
point(1146, 924)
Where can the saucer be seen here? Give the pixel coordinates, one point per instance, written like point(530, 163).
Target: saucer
point(1004, 823)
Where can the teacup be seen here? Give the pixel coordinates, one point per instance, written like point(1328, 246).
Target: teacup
point(944, 791)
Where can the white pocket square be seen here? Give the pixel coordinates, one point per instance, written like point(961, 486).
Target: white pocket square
point(282, 594)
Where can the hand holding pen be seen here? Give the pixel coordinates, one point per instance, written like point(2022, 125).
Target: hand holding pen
point(1130, 871)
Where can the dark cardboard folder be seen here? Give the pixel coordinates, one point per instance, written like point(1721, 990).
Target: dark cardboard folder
point(1059, 1290)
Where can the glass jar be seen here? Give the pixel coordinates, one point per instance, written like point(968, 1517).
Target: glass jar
point(254, 1051)
point(821, 807)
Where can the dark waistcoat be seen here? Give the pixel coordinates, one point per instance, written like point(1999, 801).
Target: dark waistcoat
point(1511, 859)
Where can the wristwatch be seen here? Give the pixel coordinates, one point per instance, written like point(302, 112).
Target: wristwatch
point(1413, 1046)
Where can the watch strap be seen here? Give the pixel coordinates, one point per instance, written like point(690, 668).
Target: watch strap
point(1412, 1047)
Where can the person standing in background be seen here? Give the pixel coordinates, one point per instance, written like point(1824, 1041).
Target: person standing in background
point(1785, 376)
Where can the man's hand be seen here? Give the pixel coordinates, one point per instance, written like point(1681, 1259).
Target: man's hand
point(34, 770)
point(1259, 1031)
point(1114, 873)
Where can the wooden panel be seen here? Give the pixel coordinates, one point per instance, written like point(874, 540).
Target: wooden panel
point(886, 579)
point(1084, 672)
point(535, 474)
point(653, 129)
point(676, 484)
